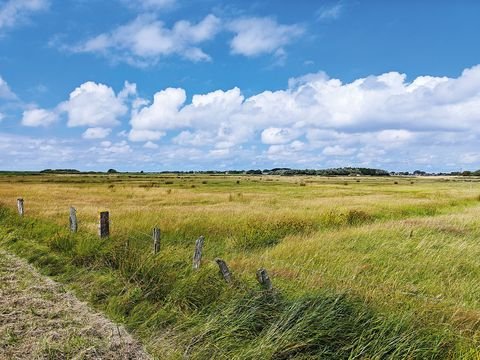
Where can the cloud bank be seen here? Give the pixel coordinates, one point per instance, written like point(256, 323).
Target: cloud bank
point(316, 121)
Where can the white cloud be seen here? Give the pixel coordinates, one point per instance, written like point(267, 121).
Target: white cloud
point(34, 153)
point(150, 145)
point(216, 110)
point(129, 89)
point(13, 12)
point(394, 137)
point(94, 105)
point(219, 153)
point(121, 147)
point(216, 107)
point(145, 135)
point(96, 133)
point(275, 135)
point(39, 117)
point(337, 150)
point(372, 120)
point(162, 113)
point(188, 138)
point(379, 121)
point(145, 40)
point(331, 12)
point(257, 36)
point(5, 92)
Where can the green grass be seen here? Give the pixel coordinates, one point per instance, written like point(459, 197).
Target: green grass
point(370, 270)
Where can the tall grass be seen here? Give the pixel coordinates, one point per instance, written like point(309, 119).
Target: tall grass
point(356, 274)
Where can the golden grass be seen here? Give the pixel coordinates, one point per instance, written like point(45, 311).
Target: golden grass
point(407, 247)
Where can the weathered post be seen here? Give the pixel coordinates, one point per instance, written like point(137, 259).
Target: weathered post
point(20, 206)
point(224, 270)
point(156, 240)
point(104, 226)
point(197, 255)
point(264, 279)
point(73, 219)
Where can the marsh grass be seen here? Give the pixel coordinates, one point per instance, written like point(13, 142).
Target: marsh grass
point(370, 270)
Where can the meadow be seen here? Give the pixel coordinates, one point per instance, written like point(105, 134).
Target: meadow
point(362, 267)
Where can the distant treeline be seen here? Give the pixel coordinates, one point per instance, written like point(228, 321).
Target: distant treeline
point(344, 171)
point(60, 171)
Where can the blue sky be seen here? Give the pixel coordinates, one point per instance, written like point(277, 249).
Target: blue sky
point(176, 85)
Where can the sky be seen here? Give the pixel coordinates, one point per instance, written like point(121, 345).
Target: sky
point(158, 85)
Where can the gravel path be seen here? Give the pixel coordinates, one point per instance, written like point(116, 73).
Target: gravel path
point(40, 320)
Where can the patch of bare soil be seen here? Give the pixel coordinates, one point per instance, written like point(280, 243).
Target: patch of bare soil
point(40, 320)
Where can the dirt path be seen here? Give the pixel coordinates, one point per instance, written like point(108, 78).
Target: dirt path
point(39, 320)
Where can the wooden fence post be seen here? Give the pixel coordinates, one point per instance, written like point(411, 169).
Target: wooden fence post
point(73, 219)
point(197, 255)
point(156, 240)
point(104, 226)
point(264, 279)
point(20, 206)
point(224, 270)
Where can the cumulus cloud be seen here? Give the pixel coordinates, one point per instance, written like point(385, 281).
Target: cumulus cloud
point(275, 135)
point(162, 114)
point(380, 120)
point(96, 133)
point(94, 105)
point(375, 119)
point(145, 135)
point(337, 150)
point(121, 147)
point(150, 145)
point(258, 36)
point(145, 40)
point(14, 12)
point(39, 117)
point(217, 110)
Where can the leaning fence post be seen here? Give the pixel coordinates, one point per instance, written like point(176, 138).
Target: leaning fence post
point(197, 255)
point(224, 270)
point(264, 279)
point(104, 226)
point(20, 206)
point(73, 219)
point(156, 240)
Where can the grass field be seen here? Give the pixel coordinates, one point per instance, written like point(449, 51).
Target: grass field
point(363, 268)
